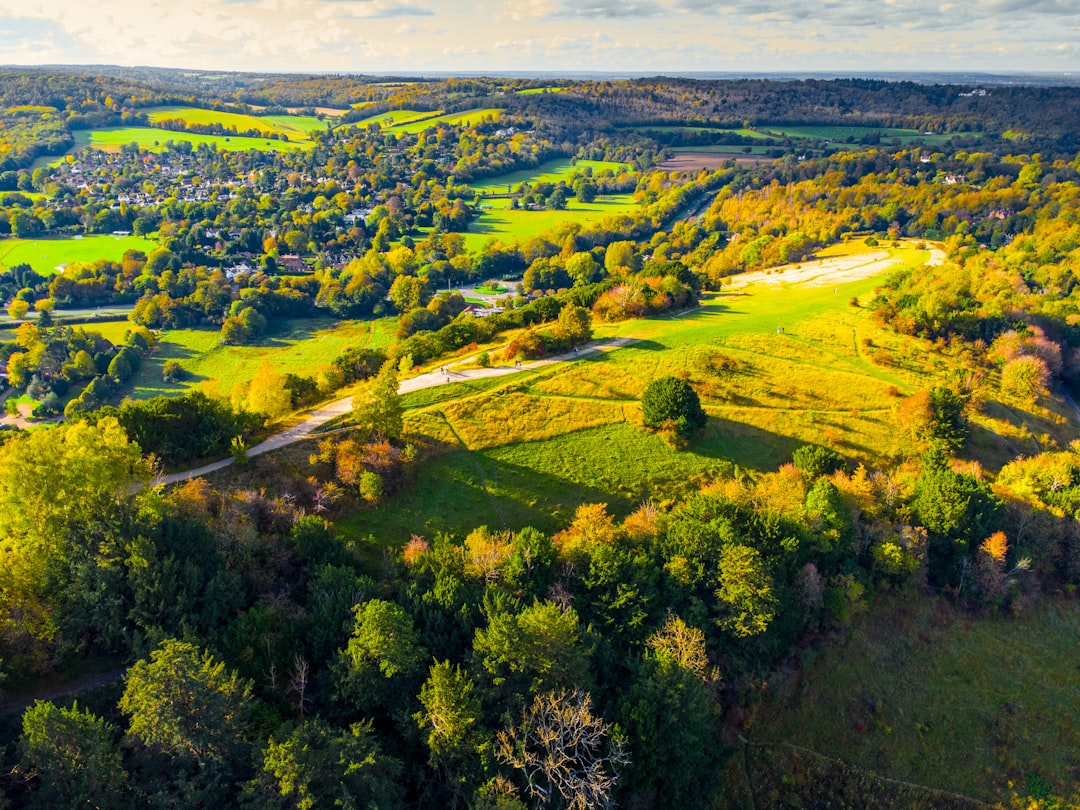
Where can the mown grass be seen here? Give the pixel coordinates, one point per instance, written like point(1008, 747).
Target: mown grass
point(298, 346)
point(501, 222)
point(837, 133)
point(551, 171)
point(47, 256)
point(154, 140)
point(295, 127)
point(921, 691)
point(533, 91)
point(413, 121)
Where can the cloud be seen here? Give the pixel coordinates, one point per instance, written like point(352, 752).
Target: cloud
point(611, 9)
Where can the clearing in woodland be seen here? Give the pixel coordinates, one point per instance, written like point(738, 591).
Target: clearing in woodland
point(48, 256)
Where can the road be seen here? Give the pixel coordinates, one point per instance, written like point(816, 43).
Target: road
point(327, 413)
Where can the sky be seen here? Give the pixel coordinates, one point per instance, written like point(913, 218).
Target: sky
point(636, 36)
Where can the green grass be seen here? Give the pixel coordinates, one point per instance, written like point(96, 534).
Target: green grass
point(296, 128)
point(533, 91)
point(298, 346)
point(47, 255)
point(920, 691)
point(508, 225)
point(153, 140)
point(742, 132)
point(413, 121)
point(530, 448)
point(837, 133)
point(550, 172)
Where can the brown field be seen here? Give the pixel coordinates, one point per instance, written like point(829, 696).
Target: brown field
point(709, 161)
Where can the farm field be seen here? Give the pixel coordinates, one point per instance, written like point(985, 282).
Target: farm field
point(836, 133)
point(300, 347)
point(534, 91)
point(943, 699)
point(297, 128)
point(47, 256)
point(551, 171)
point(499, 221)
point(152, 139)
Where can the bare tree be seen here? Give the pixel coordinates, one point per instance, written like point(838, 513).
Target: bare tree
point(298, 684)
point(562, 749)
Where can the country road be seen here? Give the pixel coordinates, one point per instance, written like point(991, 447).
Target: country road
point(320, 416)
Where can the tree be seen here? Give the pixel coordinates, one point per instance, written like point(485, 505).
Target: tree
point(183, 703)
point(574, 325)
point(377, 408)
point(17, 309)
point(746, 591)
point(74, 756)
point(670, 400)
point(450, 721)
point(267, 393)
point(311, 765)
point(560, 748)
point(582, 268)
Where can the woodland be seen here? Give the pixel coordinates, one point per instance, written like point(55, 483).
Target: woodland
point(337, 624)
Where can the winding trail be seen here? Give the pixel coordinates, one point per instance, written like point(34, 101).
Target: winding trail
point(327, 413)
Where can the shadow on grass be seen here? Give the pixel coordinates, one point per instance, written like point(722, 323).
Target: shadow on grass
point(744, 445)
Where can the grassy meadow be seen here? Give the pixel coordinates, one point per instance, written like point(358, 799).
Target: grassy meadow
point(943, 699)
point(413, 121)
point(47, 256)
point(110, 139)
point(551, 171)
point(295, 127)
point(500, 221)
point(299, 346)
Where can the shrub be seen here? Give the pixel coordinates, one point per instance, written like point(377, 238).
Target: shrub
point(669, 399)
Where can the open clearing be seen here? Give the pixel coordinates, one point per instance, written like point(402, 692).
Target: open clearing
point(300, 347)
point(296, 128)
point(110, 139)
point(943, 699)
point(48, 256)
point(829, 269)
point(551, 171)
point(696, 161)
point(499, 221)
point(413, 121)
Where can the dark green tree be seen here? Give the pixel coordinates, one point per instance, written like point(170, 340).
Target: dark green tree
point(670, 400)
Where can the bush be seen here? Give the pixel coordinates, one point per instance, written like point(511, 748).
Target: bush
point(814, 462)
point(669, 399)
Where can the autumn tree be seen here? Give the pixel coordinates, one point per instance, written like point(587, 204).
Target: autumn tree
point(574, 325)
point(563, 753)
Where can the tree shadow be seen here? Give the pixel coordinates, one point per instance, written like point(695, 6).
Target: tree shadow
point(744, 445)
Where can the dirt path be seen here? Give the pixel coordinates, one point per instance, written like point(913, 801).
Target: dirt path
point(18, 704)
point(327, 413)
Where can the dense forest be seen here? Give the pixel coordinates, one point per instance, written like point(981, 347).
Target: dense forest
point(244, 646)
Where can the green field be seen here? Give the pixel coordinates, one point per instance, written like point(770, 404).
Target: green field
point(295, 127)
point(942, 699)
point(299, 346)
point(499, 221)
point(413, 121)
point(742, 132)
point(534, 91)
point(154, 140)
point(551, 171)
point(46, 256)
point(840, 133)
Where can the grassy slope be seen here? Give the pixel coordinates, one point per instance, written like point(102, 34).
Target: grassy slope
point(501, 222)
point(46, 255)
point(551, 171)
point(299, 346)
point(297, 128)
point(112, 138)
point(529, 450)
point(942, 699)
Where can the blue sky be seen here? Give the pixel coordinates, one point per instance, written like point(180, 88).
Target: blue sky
point(566, 35)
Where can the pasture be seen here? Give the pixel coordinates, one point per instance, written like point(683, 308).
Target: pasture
point(47, 256)
point(551, 171)
point(841, 133)
point(499, 221)
point(110, 139)
point(413, 121)
point(296, 128)
point(299, 346)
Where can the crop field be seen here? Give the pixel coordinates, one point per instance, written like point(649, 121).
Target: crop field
point(300, 346)
point(296, 128)
point(550, 172)
point(47, 256)
point(499, 221)
point(943, 699)
point(110, 139)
